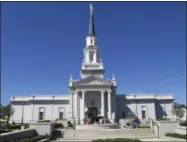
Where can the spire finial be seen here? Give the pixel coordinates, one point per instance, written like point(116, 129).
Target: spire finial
point(101, 60)
point(91, 8)
point(70, 78)
point(91, 25)
point(113, 77)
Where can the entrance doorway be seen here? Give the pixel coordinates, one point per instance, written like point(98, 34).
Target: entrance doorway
point(92, 114)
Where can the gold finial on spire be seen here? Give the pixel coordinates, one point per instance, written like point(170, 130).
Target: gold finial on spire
point(91, 8)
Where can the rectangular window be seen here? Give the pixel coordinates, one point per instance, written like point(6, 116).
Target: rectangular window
point(61, 113)
point(41, 113)
point(144, 112)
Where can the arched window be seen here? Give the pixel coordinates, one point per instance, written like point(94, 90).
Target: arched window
point(91, 41)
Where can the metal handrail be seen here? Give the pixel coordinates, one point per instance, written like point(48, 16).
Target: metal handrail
point(154, 123)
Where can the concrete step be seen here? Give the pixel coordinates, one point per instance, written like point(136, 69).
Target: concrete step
point(90, 134)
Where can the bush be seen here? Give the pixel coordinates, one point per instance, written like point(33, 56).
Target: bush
point(44, 121)
point(183, 123)
point(163, 119)
point(4, 131)
point(143, 127)
point(58, 125)
point(70, 124)
point(56, 134)
point(10, 126)
point(63, 119)
point(176, 135)
point(117, 140)
point(26, 126)
point(128, 123)
point(32, 139)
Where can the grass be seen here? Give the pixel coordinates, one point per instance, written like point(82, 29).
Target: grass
point(163, 119)
point(44, 121)
point(176, 135)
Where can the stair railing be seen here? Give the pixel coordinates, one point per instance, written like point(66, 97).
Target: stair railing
point(154, 125)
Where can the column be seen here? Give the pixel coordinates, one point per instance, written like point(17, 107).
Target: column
point(102, 104)
point(109, 104)
point(83, 107)
point(72, 105)
point(75, 105)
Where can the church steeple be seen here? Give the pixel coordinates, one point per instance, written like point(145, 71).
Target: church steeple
point(91, 24)
point(92, 64)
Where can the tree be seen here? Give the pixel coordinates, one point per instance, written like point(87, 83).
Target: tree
point(178, 110)
point(6, 112)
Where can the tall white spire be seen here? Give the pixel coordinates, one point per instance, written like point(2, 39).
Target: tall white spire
point(92, 65)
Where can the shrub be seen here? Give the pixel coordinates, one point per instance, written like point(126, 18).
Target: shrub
point(64, 119)
point(14, 126)
point(117, 140)
point(176, 135)
point(143, 127)
point(56, 134)
point(183, 123)
point(4, 131)
point(70, 124)
point(128, 123)
point(58, 125)
point(163, 119)
point(32, 139)
point(26, 126)
point(44, 121)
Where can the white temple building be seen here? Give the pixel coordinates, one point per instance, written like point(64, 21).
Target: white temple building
point(91, 93)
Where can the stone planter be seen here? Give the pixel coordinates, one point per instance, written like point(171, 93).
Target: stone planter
point(167, 127)
point(181, 130)
point(43, 128)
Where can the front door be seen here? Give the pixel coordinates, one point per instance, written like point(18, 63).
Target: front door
point(92, 112)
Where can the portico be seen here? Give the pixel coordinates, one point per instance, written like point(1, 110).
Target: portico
point(87, 94)
point(82, 102)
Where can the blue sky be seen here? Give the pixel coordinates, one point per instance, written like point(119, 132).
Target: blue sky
point(142, 43)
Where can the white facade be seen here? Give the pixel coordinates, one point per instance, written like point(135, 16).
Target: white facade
point(92, 91)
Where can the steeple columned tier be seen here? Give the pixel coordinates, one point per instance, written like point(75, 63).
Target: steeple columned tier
point(92, 64)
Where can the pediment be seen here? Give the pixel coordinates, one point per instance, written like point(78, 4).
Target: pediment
point(93, 80)
point(96, 82)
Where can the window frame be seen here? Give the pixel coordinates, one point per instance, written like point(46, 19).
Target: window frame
point(40, 108)
point(63, 112)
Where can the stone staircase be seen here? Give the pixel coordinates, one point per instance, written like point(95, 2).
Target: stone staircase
point(90, 134)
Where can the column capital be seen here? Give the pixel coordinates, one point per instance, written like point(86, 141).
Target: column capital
point(76, 91)
point(109, 91)
point(83, 91)
point(103, 91)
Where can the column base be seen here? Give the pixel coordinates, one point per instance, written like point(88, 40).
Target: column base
point(112, 121)
point(82, 121)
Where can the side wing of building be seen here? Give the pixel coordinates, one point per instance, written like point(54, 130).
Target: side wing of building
point(144, 106)
point(34, 108)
